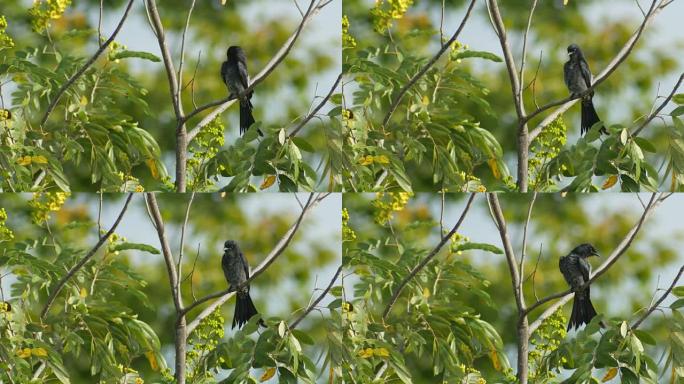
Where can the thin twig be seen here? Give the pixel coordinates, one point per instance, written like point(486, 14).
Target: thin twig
point(318, 300)
point(318, 108)
point(655, 113)
point(443, 240)
point(62, 282)
point(659, 301)
point(85, 67)
point(430, 63)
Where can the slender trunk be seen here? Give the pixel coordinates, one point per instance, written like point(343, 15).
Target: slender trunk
point(180, 349)
point(523, 154)
point(181, 158)
point(523, 340)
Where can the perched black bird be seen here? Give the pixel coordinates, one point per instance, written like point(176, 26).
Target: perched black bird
point(235, 76)
point(578, 79)
point(236, 270)
point(576, 269)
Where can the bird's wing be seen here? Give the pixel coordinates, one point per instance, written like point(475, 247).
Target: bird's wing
point(566, 73)
point(585, 268)
point(244, 76)
point(224, 72)
point(586, 73)
point(244, 264)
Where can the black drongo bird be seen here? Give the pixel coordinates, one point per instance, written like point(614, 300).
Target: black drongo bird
point(576, 270)
point(578, 79)
point(236, 270)
point(235, 76)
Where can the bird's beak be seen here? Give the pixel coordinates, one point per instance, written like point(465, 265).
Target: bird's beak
point(596, 254)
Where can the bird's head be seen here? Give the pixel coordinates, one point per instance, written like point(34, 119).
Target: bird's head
point(574, 50)
point(585, 250)
point(234, 51)
point(229, 245)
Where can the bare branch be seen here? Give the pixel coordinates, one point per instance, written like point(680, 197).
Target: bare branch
point(318, 300)
point(318, 108)
point(277, 250)
point(427, 66)
point(62, 282)
point(659, 301)
point(655, 113)
point(87, 65)
point(427, 258)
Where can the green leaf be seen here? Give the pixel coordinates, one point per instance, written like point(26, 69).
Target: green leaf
point(480, 54)
point(678, 291)
point(481, 246)
point(138, 246)
point(138, 54)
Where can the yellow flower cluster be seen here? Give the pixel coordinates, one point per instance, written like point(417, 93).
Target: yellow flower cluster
point(348, 234)
point(385, 11)
point(44, 203)
point(6, 234)
point(384, 208)
point(348, 40)
point(370, 159)
point(43, 11)
point(5, 40)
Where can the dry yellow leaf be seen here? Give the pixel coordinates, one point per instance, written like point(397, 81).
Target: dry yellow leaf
point(153, 168)
point(381, 159)
point(426, 292)
point(267, 374)
point(152, 359)
point(39, 159)
point(382, 352)
point(40, 352)
point(610, 374)
point(610, 182)
point(83, 293)
point(495, 168)
point(366, 160)
point(24, 353)
point(24, 160)
point(366, 353)
point(268, 181)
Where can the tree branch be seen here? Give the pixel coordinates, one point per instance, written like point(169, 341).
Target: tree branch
point(315, 110)
point(318, 300)
point(659, 301)
point(427, 258)
point(427, 66)
point(85, 67)
point(62, 282)
point(277, 250)
point(655, 113)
